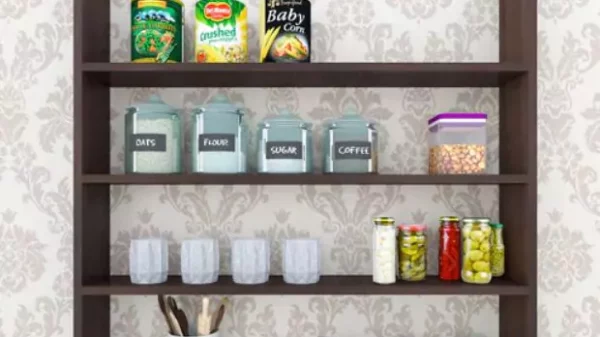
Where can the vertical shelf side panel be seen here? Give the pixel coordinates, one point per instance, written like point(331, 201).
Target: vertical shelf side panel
point(518, 154)
point(91, 146)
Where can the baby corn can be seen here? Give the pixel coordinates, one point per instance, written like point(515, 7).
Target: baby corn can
point(285, 31)
point(156, 31)
point(221, 32)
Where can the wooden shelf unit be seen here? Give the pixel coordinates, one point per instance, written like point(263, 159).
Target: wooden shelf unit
point(515, 75)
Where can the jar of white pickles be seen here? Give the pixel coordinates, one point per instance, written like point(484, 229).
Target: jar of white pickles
point(384, 250)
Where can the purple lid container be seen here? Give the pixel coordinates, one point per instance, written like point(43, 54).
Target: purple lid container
point(458, 115)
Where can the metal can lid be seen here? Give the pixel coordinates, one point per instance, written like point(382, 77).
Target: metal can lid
point(384, 221)
point(496, 225)
point(449, 218)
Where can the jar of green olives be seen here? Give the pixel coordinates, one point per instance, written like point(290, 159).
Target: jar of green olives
point(476, 244)
point(412, 249)
point(497, 250)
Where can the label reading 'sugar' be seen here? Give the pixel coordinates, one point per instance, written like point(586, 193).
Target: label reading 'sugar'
point(285, 31)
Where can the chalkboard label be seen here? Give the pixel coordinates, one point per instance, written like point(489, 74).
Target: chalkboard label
point(284, 150)
point(216, 142)
point(352, 150)
point(148, 142)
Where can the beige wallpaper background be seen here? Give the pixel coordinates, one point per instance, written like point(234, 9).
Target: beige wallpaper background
point(36, 123)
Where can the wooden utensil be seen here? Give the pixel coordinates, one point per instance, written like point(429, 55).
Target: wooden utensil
point(204, 319)
point(162, 304)
point(218, 317)
point(179, 315)
point(173, 319)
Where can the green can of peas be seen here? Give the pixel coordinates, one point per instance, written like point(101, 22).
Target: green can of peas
point(156, 31)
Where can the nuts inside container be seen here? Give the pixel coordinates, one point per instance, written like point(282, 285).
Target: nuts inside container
point(457, 159)
point(457, 143)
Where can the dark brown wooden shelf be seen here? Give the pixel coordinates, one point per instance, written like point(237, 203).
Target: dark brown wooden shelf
point(304, 74)
point(328, 285)
point(302, 179)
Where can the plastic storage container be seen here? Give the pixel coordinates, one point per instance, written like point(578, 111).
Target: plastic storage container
point(498, 251)
point(476, 244)
point(250, 261)
point(457, 143)
point(153, 139)
point(301, 261)
point(219, 137)
point(350, 144)
point(412, 246)
point(284, 144)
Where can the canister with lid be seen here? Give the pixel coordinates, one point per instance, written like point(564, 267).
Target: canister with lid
point(350, 144)
point(219, 137)
point(284, 144)
point(153, 139)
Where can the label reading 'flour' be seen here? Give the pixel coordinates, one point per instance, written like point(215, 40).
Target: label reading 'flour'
point(148, 142)
point(352, 150)
point(284, 150)
point(216, 142)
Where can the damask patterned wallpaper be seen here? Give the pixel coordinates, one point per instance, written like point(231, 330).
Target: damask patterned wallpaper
point(36, 172)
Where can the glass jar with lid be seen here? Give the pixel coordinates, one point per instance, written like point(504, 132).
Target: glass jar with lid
point(476, 244)
point(497, 250)
point(219, 137)
point(284, 144)
point(412, 247)
point(449, 248)
point(350, 144)
point(384, 250)
point(153, 141)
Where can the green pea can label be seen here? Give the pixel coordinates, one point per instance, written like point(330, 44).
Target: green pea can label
point(156, 31)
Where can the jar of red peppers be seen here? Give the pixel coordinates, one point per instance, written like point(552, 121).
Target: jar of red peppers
point(449, 251)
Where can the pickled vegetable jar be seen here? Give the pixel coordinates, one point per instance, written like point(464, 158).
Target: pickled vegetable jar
point(449, 250)
point(497, 250)
point(476, 247)
point(219, 137)
point(153, 141)
point(412, 246)
point(384, 251)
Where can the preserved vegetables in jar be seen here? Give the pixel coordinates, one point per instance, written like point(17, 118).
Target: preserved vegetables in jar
point(476, 246)
point(497, 250)
point(384, 251)
point(449, 250)
point(412, 247)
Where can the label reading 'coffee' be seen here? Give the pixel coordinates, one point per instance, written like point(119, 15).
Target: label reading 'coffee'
point(216, 142)
point(148, 142)
point(284, 150)
point(352, 150)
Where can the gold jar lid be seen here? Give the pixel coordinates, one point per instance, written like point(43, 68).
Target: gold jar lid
point(477, 220)
point(384, 221)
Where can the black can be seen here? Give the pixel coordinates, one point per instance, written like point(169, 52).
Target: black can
point(285, 31)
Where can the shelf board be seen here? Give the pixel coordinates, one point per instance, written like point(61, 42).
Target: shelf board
point(302, 179)
point(328, 285)
point(304, 74)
